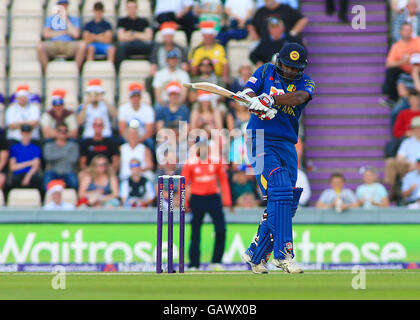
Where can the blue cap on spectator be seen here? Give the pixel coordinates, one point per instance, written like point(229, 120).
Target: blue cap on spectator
point(172, 54)
point(62, 2)
point(57, 102)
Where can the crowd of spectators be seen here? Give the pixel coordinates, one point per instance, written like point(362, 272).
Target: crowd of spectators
point(402, 89)
point(111, 154)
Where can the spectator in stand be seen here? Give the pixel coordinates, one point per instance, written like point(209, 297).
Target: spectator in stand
point(57, 115)
point(401, 128)
point(371, 194)
point(134, 34)
point(98, 35)
point(237, 117)
point(205, 115)
point(337, 197)
point(402, 124)
point(159, 56)
point(410, 15)
point(293, 20)
point(206, 74)
point(405, 85)
point(25, 162)
point(244, 73)
point(239, 14)
point(172, 73)
point(137, 190)
point(22, 113)
point(95, 107)
point(168, 164)
point(209, 10)
point(55, 194)
point(61, 33)
point(209, 48)
point(98, 145)
point(302, 179)
point(242, 184)
point(410, 189)
point(133, 148)
point(405, 161)
point(61, 157)
point(398, 60)
point(269, 47)
point(342, 12)
point(179, 11)
point(247, 200)
point(202, 176)
point(303, 182)
point(99, 187)
point(4, 161)
point(174, 111)
point(135, 109)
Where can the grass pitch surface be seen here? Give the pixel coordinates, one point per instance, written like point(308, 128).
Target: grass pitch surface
point(398, 284)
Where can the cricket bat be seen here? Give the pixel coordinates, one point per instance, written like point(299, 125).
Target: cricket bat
point(214, 88)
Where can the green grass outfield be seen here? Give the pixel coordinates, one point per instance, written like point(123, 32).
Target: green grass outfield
point(380, 284)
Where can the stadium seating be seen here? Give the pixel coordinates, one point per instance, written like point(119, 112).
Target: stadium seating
point(103, 70)
point(24, 198)
point(62, 74)
point(24, 8)
point(25, 72)
point(180, 38)
point(133, 71)
point(22, 47)
point(196, 39)
point(238, 54)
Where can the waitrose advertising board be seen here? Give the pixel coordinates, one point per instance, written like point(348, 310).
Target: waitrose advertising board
point(136, 243)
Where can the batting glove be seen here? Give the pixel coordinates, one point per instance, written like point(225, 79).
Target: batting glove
point(262, 106)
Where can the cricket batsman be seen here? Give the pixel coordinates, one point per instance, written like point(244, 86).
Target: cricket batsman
point(277, 93)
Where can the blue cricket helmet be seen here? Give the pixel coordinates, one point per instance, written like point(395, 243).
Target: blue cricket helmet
point(292, 55)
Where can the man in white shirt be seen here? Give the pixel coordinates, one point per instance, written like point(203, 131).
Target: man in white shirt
point(20, 113)
point(169, 74)
point(95, 107)
point(136, 110)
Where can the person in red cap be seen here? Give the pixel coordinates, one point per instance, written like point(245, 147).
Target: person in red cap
point(55, 196)
point(20, 113)
point(160, 50)
point(202, 174)
point(174, 111)
point(95, 107)
point(58, 114)
point(209, 48)
point(135, 109)
point(179, 11)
